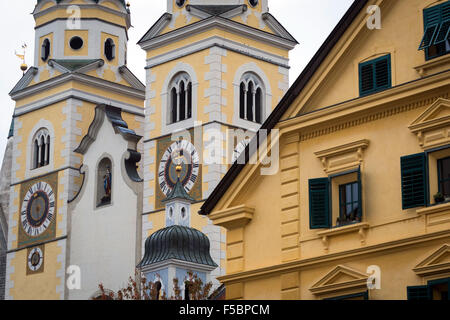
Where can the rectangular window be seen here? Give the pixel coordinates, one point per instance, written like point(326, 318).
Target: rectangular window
point(375, 75)
point(348, 203)
point(425, 178)
point(444, 176)
point(344, 191)
point(434, 290)
point(435, 40)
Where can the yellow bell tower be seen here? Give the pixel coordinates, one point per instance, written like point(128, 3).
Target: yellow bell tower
point(213, 66)
point(80, 63)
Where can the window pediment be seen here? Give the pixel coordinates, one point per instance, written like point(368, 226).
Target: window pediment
point(344, 157)
point(432, 127)
point(340, 280)
point(436, 263)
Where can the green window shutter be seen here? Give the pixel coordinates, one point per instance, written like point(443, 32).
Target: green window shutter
point(414, 181)
point(319, 203)
point(375, 75)
point(418, 293)
point(437, 25)
point(443, 33)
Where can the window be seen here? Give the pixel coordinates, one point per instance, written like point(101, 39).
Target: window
point(434, 290)
point(348, 203)
point(356, 296)
point(375, 75)
point(41, 149)
point(45, 50)
point(251, 98)
point(180, 101)
point(444, 177)
point(76, 43)
point(322, 191)
point(435, 41)
point(425, 178)
point(180, 3)
point(110, 49)
point(104, 182)
point(253, 3)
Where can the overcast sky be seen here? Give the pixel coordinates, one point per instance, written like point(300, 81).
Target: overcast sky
point(309, 21)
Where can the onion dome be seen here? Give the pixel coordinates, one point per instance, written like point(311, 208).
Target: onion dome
point(177, 243)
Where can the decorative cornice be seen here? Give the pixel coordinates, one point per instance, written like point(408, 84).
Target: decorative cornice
point(298, 265)
point(86, 79)
point(343, 157)
point(432, 127)
point(114, 115)
point(216, 22)
point(369, 118)
point(327, 286)
point(432, 265)
point(217, 41)
point(233, 217)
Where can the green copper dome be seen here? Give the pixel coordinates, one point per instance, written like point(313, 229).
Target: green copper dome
point(177, 242)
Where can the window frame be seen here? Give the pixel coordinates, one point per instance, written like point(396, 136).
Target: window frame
point(429, 288)
point(352, 203)
point(434, 17)
point(428, 196)
point(364, 295)
point(174, 84)
point(441, 180)
point(329, 190)
point(247, 79)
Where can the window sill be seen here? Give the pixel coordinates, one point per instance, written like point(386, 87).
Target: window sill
point(360, 227)
point(434, 63)
point(437, 214)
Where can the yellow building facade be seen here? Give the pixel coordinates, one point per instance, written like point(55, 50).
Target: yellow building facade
point(358, 208)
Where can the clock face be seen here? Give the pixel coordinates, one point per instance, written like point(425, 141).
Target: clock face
point(38, 209)
point(181, 153)
point(239, 149)
point(35, 259)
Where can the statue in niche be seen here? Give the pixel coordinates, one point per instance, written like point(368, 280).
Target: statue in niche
point(107, 181)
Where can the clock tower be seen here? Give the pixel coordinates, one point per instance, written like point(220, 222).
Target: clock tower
point(79, 91)
point(215, 71)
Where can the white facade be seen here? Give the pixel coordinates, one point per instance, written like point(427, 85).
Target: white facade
point(103, 240)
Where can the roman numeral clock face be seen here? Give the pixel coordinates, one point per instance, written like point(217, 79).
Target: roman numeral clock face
point(38, 209)
point(181, 153)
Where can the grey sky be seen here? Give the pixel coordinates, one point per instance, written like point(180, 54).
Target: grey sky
point(309, 21)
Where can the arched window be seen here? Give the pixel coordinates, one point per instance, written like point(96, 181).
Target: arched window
point(41, 146)
point(110, 49)
point(104, 182)
point(45, 50)
point(180, 102)
point(251, 102)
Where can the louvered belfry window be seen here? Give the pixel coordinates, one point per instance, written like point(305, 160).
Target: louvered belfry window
point(375, 75)
point(435, 40)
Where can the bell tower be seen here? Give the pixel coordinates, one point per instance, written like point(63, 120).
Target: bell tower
point(215, 71)
point(79, 74)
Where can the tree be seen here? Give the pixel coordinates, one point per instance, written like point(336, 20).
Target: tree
point(141, 289)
